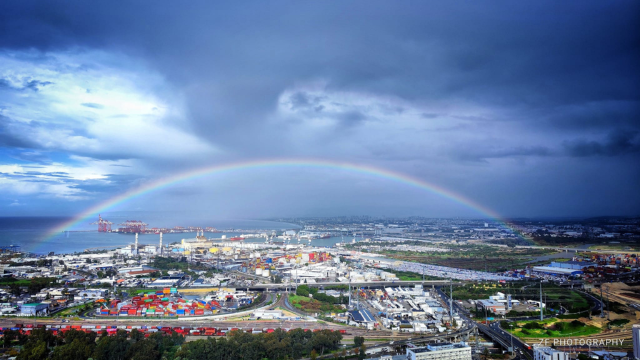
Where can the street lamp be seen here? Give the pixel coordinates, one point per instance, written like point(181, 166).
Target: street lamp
point(511, 326)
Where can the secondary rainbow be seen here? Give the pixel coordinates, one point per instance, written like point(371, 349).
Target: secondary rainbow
point(297, 163)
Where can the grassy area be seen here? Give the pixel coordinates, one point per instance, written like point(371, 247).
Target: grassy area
point(411, 276)
point(550, 328)
point(554, 296)
point(475, 257)
point(618, 322)
point(615, 247)
point(8, 280)
point(71, 311)
point(312, 305)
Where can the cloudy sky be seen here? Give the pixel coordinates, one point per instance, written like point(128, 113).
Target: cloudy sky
point(528, 108)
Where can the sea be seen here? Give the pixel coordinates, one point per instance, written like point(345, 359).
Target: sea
point(31, 233)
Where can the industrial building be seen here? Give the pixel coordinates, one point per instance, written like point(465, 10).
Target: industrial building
point(492, 306)
point(460, 351)
point(34, 309)
point(362, 317)
point(558, 271)
point(547, 353)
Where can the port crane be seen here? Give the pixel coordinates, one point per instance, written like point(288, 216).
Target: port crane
point(103, 225)
point(133, 226)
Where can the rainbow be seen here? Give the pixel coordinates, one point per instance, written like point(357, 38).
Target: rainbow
point(315, 163)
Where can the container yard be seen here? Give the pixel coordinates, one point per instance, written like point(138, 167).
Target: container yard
point(168, 303)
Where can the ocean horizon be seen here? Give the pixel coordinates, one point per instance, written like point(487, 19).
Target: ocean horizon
point(32, 233)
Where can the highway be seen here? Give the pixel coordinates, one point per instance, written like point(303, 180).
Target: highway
point(369, 284)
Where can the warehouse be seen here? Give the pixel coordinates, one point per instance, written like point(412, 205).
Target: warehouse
point(34, 309)
point(556, 271)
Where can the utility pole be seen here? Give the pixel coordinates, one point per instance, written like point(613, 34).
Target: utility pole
point(601, 303)
point(511, 326)
point(451, 300)
point(608, 306)
point(541, 311)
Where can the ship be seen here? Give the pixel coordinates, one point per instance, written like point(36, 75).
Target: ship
point(237, 238)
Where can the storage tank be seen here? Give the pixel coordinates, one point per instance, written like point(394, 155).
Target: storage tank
point(213, 250)
point(258, 271)
point(265, 272)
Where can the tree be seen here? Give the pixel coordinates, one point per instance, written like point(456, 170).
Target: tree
point(313, 355)
point(15, 289)
point(9, 336)
point(78, 346)
point(358, 341)
point(363, 352)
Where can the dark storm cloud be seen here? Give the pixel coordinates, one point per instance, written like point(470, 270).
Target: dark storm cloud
point(538, 79)
point(532, 54)
point(619, 142)
point(482, 155)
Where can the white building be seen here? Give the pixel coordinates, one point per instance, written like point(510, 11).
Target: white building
point(267, 314)
point(439, 351)
point(547, 353)
point(636, 341)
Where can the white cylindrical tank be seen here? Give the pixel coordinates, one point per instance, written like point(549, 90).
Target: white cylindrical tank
point(265, 272)
point(258, 271)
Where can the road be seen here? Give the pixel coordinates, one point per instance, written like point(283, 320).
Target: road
point(370, 284)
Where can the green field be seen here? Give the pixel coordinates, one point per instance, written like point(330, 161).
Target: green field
point(312, 305)
point(411, 276)
point(550, 328)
